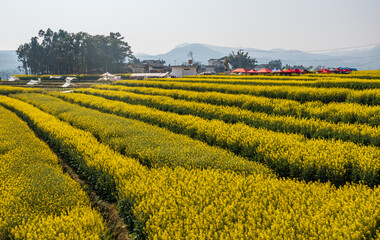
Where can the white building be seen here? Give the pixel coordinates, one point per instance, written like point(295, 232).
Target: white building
point(179, 71)
point(149, 75)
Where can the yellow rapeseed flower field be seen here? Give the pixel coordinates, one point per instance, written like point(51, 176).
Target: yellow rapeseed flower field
point(37, 201)
point(333, 112)
point(10, 89)
point(177, 203)
point(312, 128)
point(288, 154)
point(297, 93)
point(307, 81)
point(202, 157)
point(151, 145)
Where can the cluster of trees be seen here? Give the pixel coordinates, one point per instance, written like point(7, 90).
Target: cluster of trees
point(309, 68)
point(68, 53)
point(240, 59)
point(273, 64)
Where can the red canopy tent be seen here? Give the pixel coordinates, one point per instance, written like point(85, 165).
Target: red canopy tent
point(252, 71)
point(240, 70)
point(324, 70)
point(264, 70)
point(347, 70)
point(298, 70)
point(288, 71)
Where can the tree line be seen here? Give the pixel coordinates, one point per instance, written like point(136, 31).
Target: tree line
point(73, 53)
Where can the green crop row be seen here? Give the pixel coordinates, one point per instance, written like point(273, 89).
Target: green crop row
point(38, 201)
point(177, 203)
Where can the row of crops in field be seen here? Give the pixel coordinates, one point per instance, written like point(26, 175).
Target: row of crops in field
point(297, 93)
point(352, 83)
point(37, 200)
point(366, 75)
point(198, 158)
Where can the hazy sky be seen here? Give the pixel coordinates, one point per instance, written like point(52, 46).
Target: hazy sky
point(153, 26)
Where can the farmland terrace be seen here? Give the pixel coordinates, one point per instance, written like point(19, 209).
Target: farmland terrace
point(199, 157)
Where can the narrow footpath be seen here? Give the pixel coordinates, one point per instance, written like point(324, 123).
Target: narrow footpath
point(118, 230)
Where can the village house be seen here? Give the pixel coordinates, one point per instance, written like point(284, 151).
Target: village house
point(148, 66)
point(180, 71)
point(215, 65)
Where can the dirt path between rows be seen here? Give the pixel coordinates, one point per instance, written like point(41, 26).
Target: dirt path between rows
point(109, 212)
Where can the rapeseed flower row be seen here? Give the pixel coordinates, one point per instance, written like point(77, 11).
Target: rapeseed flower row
point(151, 145)
point(38, 201)
point(10, 90)
point(297, 93)
point(332, 112)
point(294, 81)
point(362, 74)
point(368, 74)
point(166, 203)
point(312, 128)
point(288, 154)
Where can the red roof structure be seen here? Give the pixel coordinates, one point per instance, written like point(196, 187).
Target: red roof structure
point(252, 71)
point(240, 70)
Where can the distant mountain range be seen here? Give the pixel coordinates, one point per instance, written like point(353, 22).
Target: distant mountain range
point(8, 60)
point(8, 64)
point(368, 58)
